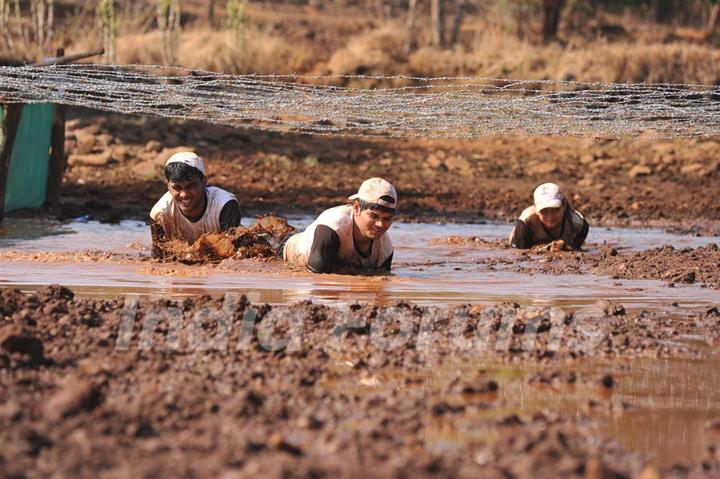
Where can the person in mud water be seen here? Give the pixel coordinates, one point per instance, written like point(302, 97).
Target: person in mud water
point(190, 208)
point(549, 220)
point(348, 237)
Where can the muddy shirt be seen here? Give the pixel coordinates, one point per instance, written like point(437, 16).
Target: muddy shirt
point(529, 230)
point(222, 211)
point(327, 244)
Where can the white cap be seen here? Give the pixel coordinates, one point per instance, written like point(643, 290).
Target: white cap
point(189, 158)
point(378, 191)
point(547, 195)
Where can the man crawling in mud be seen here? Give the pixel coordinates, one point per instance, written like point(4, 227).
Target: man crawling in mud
point(190, 208)
point(550, 220)
point(349, 237)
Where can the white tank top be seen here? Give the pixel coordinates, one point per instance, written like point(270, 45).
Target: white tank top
point(532, 219)
point(167, 213)
point(340, 219)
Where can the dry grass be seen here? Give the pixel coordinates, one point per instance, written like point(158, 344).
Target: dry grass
point(499, 54)
point(214, 50)
point(380, 50)
point(296, 40)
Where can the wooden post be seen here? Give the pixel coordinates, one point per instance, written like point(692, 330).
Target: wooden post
point(211, 14)
point(713, 20)
point(56, 167)
point(410, 42)
point(10, 126)
point(551, 19)
point(437, 21)
point(457, 21)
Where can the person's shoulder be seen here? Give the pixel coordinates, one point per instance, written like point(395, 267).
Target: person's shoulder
point(577, 218)
point(527, 213)
point(336, 217)
point(220, 195)
point(162, 206)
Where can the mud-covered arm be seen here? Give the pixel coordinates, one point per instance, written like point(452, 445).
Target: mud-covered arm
point(521, 236)
point(158, 236)
point(230, 215)
point(324, 251)
point(581, 236)
point(387, 264)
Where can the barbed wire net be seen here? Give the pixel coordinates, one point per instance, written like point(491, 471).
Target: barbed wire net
point(447, 107)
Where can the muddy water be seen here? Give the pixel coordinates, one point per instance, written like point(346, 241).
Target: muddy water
point(423, 273)
point(660, 407)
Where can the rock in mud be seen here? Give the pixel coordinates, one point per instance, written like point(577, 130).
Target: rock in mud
point(14, 339)
point(639, 170)
point(74, 396)
point(91, 159)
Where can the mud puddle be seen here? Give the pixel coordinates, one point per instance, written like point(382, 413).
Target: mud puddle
point(102, 260)
point(662, 408)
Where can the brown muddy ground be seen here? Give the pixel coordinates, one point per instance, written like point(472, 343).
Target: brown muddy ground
point(71, 404)
point(115, 171)
point(674, 266)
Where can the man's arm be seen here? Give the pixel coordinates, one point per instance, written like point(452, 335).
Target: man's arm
point(158, 237)
point(230, 215)
point(324, 251)
point(581, 236)
point(521, 236)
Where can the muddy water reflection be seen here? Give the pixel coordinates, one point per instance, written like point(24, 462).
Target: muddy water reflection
point(660, 407)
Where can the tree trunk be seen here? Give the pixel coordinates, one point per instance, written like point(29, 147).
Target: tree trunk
point(551, 19)
point(410, 43)
point(713, 20)
point(457, 21)
point(437, 23)
point(211, 13)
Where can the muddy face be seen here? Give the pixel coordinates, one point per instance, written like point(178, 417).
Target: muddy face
point(372, 223)
point(189, 195)
point(551, 217)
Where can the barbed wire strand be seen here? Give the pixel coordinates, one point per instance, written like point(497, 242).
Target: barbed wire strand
point(441, 107)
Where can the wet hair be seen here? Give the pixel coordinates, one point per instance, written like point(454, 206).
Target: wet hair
point(181, 172)
point(366, 205)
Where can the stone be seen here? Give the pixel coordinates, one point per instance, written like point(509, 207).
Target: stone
point(639, 170)
point(457, 163)
point(311, 161)
point(145, 170)
point(105, 139)
point(84, 142)
point(94, 159)
point(586, 182)
point(692, 168)
point(74, 395)
point(433, 161)
point(14, 340)
point(92, 129)
point(166, 153)
point(120, 154)
point(153, 145)
point(386, 162)
point(544, 168)
point(587, 159)
point(663, 148)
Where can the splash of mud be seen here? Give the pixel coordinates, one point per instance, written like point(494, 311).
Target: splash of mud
point(261, 240)
point(471, 241)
